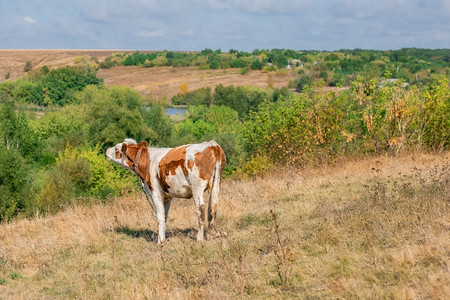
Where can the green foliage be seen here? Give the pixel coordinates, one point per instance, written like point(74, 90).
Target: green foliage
point(57, 86)
point(435, 114)
point(78, 173)
point(241, 99)
point(61, 83)
point(367, 118)
point(256, 165)
point(214, 64)
point(61, 128)
point(113, 114)
point(160, 123)
point(15, 133)
point(15, 185)
point(303, 82)
point(197, 97)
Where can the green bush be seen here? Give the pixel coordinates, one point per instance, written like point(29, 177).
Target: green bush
point(81, 173)
point(16, 133)
point(242, 98)
point(197, 97)
point(303, 81)
point(16, 195)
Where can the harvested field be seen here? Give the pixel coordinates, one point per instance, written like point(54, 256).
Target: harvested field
point(160, 82)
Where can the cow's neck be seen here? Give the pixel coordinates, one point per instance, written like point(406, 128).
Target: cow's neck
point(143, 175)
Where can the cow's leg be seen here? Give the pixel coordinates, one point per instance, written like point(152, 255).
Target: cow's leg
point(167, 203)
point(214, 196)
point(148, 195)
point(197, 195)
point(158, 201)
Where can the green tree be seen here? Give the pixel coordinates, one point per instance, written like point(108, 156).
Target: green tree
point(61, 83)
point(116, 113)
point(15, 184)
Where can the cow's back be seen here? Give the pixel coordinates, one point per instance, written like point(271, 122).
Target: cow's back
point(189, 166)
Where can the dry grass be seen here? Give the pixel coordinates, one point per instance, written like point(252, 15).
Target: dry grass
point(374, 228)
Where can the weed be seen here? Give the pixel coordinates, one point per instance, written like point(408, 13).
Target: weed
point(283, 252)
point(15, 276)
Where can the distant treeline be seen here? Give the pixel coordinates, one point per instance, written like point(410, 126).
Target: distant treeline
point(409, 64)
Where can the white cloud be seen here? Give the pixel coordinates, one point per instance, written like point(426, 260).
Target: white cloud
point(29, 20)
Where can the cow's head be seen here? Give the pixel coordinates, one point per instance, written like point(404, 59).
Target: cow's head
point(131, 156)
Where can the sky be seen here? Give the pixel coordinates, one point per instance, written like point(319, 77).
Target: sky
point(243, 25)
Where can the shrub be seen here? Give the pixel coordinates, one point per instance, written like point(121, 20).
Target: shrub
point(80, 173)
point(214, 64)
point(303, 81)
point(257, 165)
point(28, 67)
point(15, 185)
point(241, 99)
point(197, 97)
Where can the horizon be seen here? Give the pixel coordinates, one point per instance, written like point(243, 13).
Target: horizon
point(222, 50)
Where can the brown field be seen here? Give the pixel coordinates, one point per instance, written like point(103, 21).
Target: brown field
point(161, 82)
point(376, 228)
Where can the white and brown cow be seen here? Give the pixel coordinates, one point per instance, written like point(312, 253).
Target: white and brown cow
point(183, 172)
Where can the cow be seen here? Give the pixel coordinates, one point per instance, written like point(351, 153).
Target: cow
point(185, 171)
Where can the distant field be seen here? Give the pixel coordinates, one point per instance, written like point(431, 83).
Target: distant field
point(161, 82)
point(370, 229)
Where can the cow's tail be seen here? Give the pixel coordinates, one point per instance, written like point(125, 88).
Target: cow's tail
point(215, 186)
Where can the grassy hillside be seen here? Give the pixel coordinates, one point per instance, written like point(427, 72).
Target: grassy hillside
point(375, 228)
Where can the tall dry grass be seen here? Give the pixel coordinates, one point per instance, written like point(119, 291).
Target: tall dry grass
point(373, 228)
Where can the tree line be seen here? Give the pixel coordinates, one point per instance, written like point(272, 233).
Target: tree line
point(409, 64)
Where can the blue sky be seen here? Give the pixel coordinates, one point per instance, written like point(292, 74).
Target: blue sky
point(224, 24)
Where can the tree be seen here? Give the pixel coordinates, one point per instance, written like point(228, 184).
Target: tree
point(61, 83)
point(28, 67)
point(15, 184)
point(214, 64)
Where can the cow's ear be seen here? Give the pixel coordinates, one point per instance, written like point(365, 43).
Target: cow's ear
point(124, 148)
point(143, 144)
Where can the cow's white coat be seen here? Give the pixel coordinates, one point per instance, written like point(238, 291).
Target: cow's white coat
point(179, 185)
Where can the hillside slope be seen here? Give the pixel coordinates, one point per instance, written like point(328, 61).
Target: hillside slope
point(374, 228)
point(161, 82)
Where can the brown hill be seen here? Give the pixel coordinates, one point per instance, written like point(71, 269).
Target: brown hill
point(160, 82)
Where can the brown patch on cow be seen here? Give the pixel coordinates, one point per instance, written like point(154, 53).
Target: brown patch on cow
point(190, 164)
point(207, 159)
point(142, 166)
point(170, 162)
